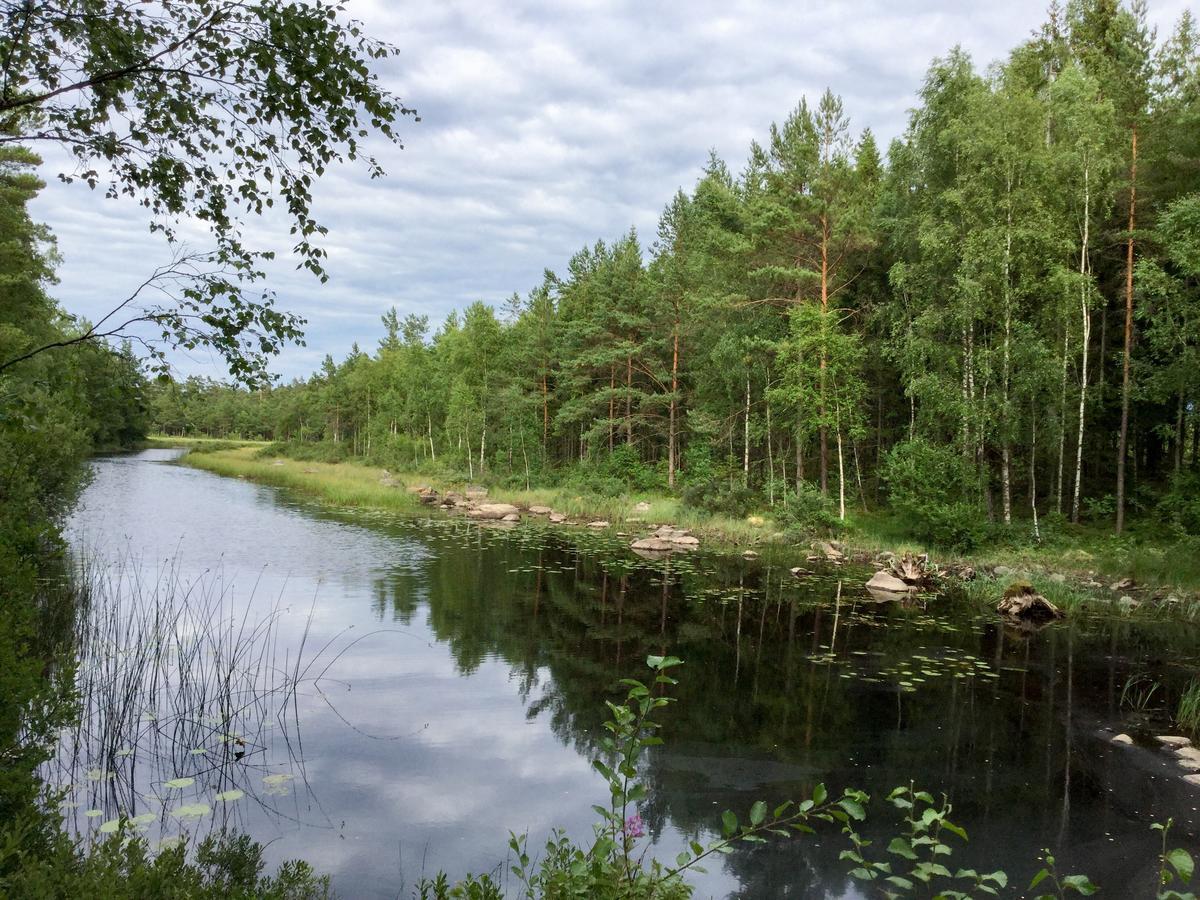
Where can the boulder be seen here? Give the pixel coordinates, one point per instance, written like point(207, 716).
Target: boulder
point(799, 572)
point(749, 554)
point(557, 518)
point(1022, 603)
point(653, 545)
point(492, 511)
point(1173, 740)
point(1193, 780)
point(1128, 604)
point(598, 523)
point(828, 551)
point(1189, 758)
point(540, 510)
point(1125, 584)
point(512, 517)
point(1123, 739)
point(887, 583)
point(641, 506)
point(475, 492)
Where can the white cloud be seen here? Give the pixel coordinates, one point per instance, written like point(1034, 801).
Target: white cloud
point(544, 127)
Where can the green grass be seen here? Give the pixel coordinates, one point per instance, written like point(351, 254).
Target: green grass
point(196, 444)
point(1081, 554)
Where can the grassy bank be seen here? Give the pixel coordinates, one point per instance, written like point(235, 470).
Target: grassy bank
point(1089, 559)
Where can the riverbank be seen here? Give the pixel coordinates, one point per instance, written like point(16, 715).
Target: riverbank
point(1071, 568)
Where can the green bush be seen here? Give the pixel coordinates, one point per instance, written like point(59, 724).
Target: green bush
point(719, 497)
point(1180, 505)
point(932, 488)
point(807, 511)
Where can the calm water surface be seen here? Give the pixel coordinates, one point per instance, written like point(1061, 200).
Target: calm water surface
point(452, 679)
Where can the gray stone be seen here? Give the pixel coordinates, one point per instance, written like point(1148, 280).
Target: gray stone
point(492, 511)
point(512, 517)
point(540, 510)
point(1122, 739)
point(1173, 740)
point(885, 581)
point(598, 523)
point(557, 518)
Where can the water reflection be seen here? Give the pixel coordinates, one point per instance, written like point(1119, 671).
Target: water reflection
point(463, 672)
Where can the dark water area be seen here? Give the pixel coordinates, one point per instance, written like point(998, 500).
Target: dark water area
point(450, 680)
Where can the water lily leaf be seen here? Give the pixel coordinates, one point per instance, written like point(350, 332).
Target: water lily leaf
point(198, 751)
point(192, 811)
point(170, 843)
point(110, 826)
point(144, 819)
point(230, 795)
point(93, 813)
point(179, 782)
point(277, 784)
point(124, 751)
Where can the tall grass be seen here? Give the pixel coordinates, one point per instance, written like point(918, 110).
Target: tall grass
point(1187, 716)
point(177, 679)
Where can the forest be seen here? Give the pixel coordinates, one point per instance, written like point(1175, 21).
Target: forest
point(992, 323)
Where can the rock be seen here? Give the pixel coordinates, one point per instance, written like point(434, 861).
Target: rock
point(598, 523)
point(1128, 604)
point(1189, 758)
point(492, 511)
point(1122, 739)
point(1124, 584)
point(279, 462)
point(1192, 779)
point(557, 518)
point(828, 551)
point(476, 493)
point(1023, 603)
point(666, 539)
point(887, 583)
point(540, 510)
point(1173, 740)
point(641, 506)
point(512, 517)
point(749, 554)
point(428, 495)
point(800, 572)
point(653, 544)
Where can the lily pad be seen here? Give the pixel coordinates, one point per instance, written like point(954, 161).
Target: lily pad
point(230, 795)
point(170, 843)
point(277, 784)
point(93, 813)
point(110, 826)
point(192, 811)
point(179, 782)
point(94, 774)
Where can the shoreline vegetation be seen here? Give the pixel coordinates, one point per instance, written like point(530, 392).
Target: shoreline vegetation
point(1085, 567)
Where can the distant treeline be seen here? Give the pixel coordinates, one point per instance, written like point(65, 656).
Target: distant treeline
point(999, 316)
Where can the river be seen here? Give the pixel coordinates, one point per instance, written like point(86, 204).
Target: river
point(410, 690)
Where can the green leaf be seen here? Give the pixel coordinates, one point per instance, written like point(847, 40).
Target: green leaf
point(1080, 884)
point(900, 847)
point(729, 823)
point(819, 794)
point(1181, 861)
point(1039, 878)
point(758, 812)
point(853, 809)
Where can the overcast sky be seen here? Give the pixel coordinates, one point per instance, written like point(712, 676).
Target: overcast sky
point(545, 126)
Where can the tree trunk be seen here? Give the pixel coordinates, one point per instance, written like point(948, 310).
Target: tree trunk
point(629, 400)
point(1006, 443)
point(746, 436)
point(1126, 387)
point(1084, 340)
point(672, 436)
point(1062, 419)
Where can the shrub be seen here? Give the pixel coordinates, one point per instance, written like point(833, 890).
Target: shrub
point(1180, 505)
point(719, 497)
point(807, 511)
point(932, 488)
